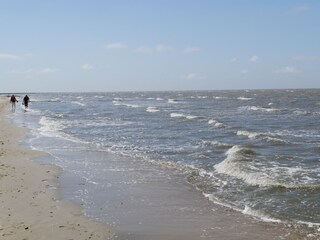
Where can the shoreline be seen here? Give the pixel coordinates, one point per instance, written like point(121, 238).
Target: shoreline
point(30, 208)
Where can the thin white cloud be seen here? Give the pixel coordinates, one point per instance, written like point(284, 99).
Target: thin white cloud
point(87, 66)
point(159, 48)
point(48, 70)
point(31, 72)
point(301, 8)
point(234, 59)
point(287, 70)
point(306, 58)
point(193, 76)
point(144, 49)
point(254, 58)
point(116, 45)
point(8, 56)
point(244, 71)
point(162, 48)
point(41, 71)
point(192, 49)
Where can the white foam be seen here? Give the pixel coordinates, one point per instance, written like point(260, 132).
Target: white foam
point(261, 109)
point(202, 97)
point(50, 127)
point(234, 165)
point(177, 115)
point(116, 103)
point(248, 134)
point(53, 128)
point(216, 123)
point(152, 109)
point(191, 117)
point(216, 201)
point(249, 211)
point(174, 101)
point(269, 137)
point(301, 112)
point(216, 143)
point(132, 105)
point(78, 103)
point(244, 98)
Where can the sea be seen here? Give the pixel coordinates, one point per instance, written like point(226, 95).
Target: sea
point(254, 151)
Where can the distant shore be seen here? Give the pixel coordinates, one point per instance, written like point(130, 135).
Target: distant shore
point(30, 208)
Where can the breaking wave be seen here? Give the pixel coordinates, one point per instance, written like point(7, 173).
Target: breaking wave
point(260, 109)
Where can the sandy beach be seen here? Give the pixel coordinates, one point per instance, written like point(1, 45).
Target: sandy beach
point(30, 208)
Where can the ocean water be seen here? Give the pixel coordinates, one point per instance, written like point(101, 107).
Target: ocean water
point(255, 151)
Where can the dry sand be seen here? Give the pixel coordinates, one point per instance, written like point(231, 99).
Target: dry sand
point(29, 207)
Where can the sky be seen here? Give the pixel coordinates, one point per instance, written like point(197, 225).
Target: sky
point(149, 45)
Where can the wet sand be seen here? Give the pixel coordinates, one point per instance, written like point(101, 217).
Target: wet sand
point(150, 202)
point(30, 208)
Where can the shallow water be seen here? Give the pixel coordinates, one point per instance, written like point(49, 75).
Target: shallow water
point(255, 151)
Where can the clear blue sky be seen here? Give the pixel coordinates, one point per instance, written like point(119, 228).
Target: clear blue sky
point(132, 45)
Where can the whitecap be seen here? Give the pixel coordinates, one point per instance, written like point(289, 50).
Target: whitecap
point(216, 123)
point(261, 109)
point(202, 97)
point(174, 101)
point(244, 98)
point(248, 134)
point(301, 112)
point(78, 103)
point(132, 105)
point(152, 109)
point(191, 117)
point(236, 164)
point(259, 214)
point(54, 128)
point(116, 103)
point(176, 115)
point(216, 144)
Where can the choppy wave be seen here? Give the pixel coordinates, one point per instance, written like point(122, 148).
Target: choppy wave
point(49, 126)
point(244, 98)
point(78, 103)
point(152, 109)
point(173, 101)
point(248, 151)
point(261, 109)
point(177, 115)
point(116, 103)
point(216, 144)
point(131, 105)
point(237, 164)
point(189, 117)
point(54, 128)
point(269, 137)
point(259, 214)
point(216, 123)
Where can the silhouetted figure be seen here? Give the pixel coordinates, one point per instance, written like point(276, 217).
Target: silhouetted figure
point(26, 101)
point(13, 101)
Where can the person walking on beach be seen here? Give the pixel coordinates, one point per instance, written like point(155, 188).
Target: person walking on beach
point(13, 101)
point(25, 102)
